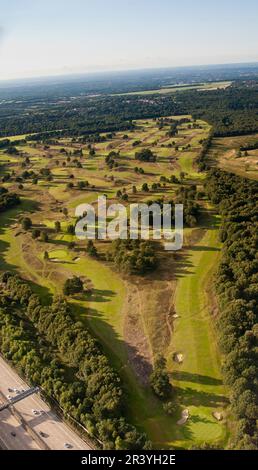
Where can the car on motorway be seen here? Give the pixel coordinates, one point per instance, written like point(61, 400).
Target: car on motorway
point(67, 445)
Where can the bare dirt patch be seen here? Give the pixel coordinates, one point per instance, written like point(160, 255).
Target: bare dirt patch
point(217, 415)
point(138, 349)
point(178, 357)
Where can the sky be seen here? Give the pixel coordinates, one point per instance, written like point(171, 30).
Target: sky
point(57, 37)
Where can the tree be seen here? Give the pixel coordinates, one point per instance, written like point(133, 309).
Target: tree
point(145, 187)
point(145, 155)
point(159, 379)
point(190, 220)
point(174, 179)
point(160, 384)
point(45, 172)
point(57, 226)
point(46, 256)
point(3, 190)
point(91, 249)
point(81, 185)
point(70, 229)
point(133, 256)
point(35, 233)
point(26, 223)
point(73, 285)
point(44, 237)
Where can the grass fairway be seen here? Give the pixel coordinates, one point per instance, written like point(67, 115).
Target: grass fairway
point(198, 379)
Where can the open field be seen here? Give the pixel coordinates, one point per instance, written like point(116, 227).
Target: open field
point(225, 154)
point(175, 88)
point(198, 379)
point(131, 315)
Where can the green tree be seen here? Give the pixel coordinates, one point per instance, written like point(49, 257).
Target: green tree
point(35, 233)
point(91, 249)
point(26, 223)
point(73, 285)
point(44, 237)
point(57, 226)
point(145, 187)
point(70, 229)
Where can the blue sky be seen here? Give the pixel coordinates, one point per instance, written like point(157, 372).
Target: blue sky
point(68, 36)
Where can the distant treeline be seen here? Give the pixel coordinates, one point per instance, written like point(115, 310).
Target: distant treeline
point(89, 129)
point(232, 111)
point(237, 288)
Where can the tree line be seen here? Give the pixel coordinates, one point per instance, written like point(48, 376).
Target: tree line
point(237, 289)
point(231, 111)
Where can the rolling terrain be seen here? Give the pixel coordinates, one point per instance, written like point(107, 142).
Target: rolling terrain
point(133, 316)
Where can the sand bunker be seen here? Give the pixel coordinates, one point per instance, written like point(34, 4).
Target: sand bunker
point(178, 357)
point(217, 415)
point(76, 259)
point(185, 416)
point(175, 316)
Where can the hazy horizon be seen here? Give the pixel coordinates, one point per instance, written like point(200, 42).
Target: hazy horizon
point(77, 75)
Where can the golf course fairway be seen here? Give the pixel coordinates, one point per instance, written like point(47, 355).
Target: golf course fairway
point(192, 356)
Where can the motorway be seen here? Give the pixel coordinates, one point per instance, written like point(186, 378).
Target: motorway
point(56, 432)
point(22, 440)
